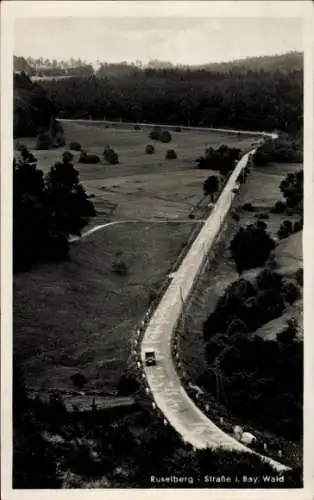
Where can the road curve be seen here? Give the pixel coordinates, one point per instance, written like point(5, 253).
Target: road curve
point(182, 127)
point(162, 379)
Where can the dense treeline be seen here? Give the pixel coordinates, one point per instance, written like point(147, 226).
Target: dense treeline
point(33, 110)
point(46, 210)
point(284, 149)
point(262, 378)
point(252, 100)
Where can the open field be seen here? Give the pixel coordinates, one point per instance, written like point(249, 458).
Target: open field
point(141, 185)
point(78, 315)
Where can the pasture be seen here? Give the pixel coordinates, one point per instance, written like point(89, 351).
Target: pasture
point(78, 315)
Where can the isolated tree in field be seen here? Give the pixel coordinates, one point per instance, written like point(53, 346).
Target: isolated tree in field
point(88, 158)
point(165, 136)
point(171, 154)
point(149, 149)
point(211, 186)
point(110, 155)
point(78, 380)
point(251, 247)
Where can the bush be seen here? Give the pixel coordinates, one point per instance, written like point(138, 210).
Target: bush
point(288, 335)
point(262, 216)
point(75, 146)
point(88, 158)
point(292, 190)
point(289, 211)
point(44, 142)
point(171, 154)
point(235, 216)
point(211, 186)
point(78, 380)
point(299, 276)
point(285, 229)
point(67, 157)
point(155, 133)
point(149, 150)
point(271, 304)
point(119, 267)
point(290, 291)
point(261, 224)
point(297, 226)
point(111, 156)
point(165, 136)
point(272, 262)
point(251, 247)
point(20, 147)
point(127, 385)
point(278, 208)
point(268, 279)
point(248, 207)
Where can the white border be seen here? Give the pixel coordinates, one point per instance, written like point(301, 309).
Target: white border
point(11, 10)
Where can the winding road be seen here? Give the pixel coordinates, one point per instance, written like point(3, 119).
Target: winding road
point(162, 380)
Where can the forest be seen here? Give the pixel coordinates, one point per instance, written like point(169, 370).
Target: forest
point(251, 96)
point(254, 100)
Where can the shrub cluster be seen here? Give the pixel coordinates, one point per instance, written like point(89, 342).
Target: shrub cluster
point(292, 190)
point(75, 146)
point(157, 134)
point(281, 150)
point(88, 158)
point(287, 228)
point(149, 149)
point(251, 246)
point(165, 136)
point(222, 159)
point(171, 154)
point(111, 156)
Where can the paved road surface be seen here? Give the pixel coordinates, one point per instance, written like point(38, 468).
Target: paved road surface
point(162, 379)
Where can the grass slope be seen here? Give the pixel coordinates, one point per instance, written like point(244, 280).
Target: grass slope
point(78, 315)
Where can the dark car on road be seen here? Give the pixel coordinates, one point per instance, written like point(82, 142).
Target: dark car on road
point(150, 358)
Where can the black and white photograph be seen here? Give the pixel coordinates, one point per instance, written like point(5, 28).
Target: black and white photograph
point(156, 236)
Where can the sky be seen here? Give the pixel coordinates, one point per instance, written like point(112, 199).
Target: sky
point(180, 40)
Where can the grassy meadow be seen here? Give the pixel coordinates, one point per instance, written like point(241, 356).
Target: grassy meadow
point(78, 315)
